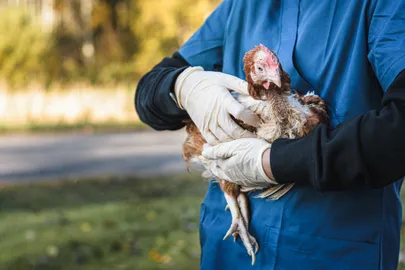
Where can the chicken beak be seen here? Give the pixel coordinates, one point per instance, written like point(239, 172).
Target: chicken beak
point(277, 81)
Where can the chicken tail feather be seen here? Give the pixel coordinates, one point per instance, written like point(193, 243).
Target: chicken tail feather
point(275, 193)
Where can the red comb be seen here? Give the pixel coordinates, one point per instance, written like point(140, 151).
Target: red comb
point(271, 58)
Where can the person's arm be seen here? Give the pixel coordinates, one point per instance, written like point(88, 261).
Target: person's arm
point(153, 102)
point(368, 150)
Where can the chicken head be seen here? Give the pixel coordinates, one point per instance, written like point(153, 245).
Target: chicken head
point(264, 72)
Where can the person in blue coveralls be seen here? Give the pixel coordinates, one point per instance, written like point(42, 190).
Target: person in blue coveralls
point(351, 53)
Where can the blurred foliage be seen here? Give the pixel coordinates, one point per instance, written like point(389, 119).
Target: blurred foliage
point(23, 47)
point(94, 41)
point(163, 26)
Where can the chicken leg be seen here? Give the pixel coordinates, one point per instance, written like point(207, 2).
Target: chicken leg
point(238, 207)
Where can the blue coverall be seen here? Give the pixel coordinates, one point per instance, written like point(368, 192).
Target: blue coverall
point(349, 52)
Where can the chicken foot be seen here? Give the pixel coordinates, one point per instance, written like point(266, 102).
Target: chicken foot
point(244, 209)
point(238, 207)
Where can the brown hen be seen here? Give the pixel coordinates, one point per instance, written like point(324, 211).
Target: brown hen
point(284, 113)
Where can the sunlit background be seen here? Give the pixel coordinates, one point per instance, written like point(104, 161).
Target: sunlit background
point(84, 184)
point(61, 59)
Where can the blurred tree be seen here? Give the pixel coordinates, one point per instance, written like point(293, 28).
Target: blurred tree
point(163, 26)
point(93, 41)
point(22, 49)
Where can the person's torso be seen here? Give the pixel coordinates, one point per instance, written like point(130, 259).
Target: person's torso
point(323, 46)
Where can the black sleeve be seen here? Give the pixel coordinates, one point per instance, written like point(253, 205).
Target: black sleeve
point(153, 103)
point(368, 150)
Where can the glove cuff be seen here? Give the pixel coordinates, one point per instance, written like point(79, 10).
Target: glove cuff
point(180, 83)
point(260, 165)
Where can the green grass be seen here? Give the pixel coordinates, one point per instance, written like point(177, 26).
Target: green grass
point(65, 127)
point(102, 224)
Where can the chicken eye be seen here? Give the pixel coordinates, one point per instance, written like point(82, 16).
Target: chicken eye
point(260, 68)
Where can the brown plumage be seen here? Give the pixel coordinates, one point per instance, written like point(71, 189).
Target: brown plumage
point(284, 113)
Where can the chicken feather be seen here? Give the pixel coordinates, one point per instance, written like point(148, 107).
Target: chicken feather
point(284, 113)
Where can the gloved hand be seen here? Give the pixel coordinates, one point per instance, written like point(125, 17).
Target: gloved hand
point(241, 162)
point(205, 96)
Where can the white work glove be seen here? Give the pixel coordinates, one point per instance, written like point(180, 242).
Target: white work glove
point(205, 96)
point(240, 162)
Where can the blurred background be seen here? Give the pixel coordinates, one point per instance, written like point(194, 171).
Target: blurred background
point(61, 59)
point(84, 184)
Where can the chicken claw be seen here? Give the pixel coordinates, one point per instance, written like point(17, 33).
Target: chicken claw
point(239, 225)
